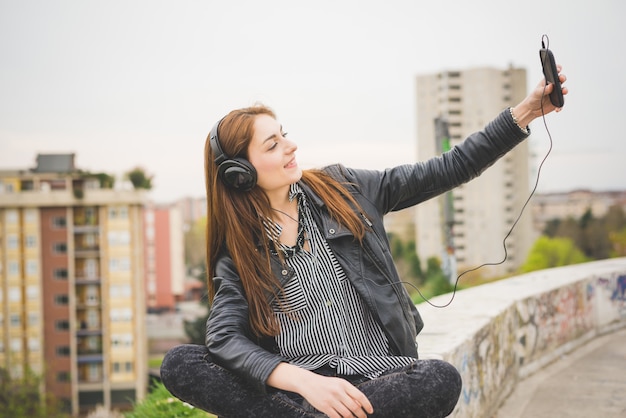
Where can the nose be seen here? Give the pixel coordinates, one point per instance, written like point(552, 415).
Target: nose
point(291, 147)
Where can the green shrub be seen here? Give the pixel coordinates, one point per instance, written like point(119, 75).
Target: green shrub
point(160, 403)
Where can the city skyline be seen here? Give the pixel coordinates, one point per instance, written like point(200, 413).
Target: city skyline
point(140, 84)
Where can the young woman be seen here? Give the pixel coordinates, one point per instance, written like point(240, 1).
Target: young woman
point(308, 315)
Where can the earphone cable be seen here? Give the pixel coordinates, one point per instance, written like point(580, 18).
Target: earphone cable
point(543, 160)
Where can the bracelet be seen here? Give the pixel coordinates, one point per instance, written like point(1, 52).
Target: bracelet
point(525, 130)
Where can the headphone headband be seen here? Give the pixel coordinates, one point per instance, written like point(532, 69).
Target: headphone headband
point(236, 173)
point(218, 154)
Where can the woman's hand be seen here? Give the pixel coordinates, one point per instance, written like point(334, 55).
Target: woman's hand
point(538, 101)
point(333, 396)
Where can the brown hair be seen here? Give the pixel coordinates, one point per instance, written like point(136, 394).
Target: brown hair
point(235, 218)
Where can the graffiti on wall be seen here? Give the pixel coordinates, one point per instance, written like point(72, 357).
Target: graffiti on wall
point(527, 333)
point(552, 319)
point(613, 290)
point(485, 362)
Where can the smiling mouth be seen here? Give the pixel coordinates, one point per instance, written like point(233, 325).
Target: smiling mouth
point(291, 163)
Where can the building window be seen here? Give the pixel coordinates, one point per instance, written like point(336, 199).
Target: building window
point(63, 351)
point(14, 268)
point(32, 292)
point(120, 291)
point(91, 268)
point(34, 344)
point(30, 241)
point(59, 248)
point(118, 212)
point(62, 325)
point(63, 376)
point(121, 314)
point(93, 319)
point(121, 340)
point(15, 320)
point(16, 344)
point(15, 294)
point(32, 267)
point(92, 295)
point(94, 372)
point(61, 299)
point(60, 273)
point(11, 217)
point(30, 215)
point(121, 264)
point(13, 242)
point(33, 319)
point(116, 238)
point(59, 222)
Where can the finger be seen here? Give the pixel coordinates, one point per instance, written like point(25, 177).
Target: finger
point(360, 398)
point(355, 409)
point(547, 89)
point(343, 410)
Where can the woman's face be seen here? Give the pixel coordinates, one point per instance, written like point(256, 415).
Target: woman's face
point(273, 155)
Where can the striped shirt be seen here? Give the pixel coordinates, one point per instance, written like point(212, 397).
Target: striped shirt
point(323, 321)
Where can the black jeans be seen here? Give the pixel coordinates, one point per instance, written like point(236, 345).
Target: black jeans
point(425, 388)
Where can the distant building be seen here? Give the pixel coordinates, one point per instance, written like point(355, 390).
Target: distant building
point(191, 209)
point(573, 204)
point(72, 297)
point(483, 211)
point(165, 258)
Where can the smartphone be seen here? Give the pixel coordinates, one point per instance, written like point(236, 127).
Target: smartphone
point(552, 76)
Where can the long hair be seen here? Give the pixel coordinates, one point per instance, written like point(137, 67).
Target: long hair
point(235, 219)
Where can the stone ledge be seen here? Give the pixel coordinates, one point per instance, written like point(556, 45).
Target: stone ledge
point(500, 333)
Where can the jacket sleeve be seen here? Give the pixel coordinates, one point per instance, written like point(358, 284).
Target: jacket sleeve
point(229, 339)
point(407, 185)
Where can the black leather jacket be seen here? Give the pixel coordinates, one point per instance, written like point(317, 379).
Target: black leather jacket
point(369, 267)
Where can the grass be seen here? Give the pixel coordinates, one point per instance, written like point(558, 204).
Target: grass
point(161, 404)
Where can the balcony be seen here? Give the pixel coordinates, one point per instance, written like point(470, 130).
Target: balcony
point(89, 344)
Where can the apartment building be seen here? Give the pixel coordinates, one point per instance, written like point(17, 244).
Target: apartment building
point(165, 258)
point(72, 297)
point(466, 228)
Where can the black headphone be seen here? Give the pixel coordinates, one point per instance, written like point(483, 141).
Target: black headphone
point(236, 173)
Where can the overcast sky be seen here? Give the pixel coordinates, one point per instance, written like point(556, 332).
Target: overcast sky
point(140, 83)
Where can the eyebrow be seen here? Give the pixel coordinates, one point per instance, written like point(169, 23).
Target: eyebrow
point(272, 135)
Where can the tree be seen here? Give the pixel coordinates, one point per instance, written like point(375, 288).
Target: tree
point(21, 398)
point(595, 237)
point(618, 242)
point(139, 178)
point(195, 243)
point(195, 329)
point(552, 252)
point(107, 181)
point(436, 283)
point(407, 262)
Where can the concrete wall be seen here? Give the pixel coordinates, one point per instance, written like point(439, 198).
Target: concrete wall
point(499, 333)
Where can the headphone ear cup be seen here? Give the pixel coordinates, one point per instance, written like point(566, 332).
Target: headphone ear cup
point(238, 174)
